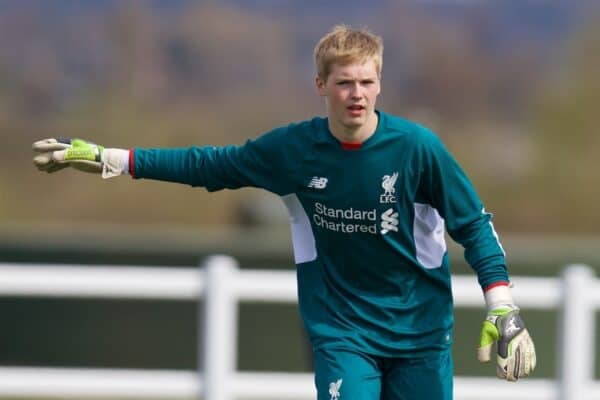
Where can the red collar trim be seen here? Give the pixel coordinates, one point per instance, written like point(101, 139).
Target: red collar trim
point(350, 146)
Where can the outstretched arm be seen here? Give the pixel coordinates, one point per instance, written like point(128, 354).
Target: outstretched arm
point(259, 163)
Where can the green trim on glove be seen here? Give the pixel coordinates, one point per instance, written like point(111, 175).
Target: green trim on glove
point(489, 334)
point(500, 311)
point(81, 150)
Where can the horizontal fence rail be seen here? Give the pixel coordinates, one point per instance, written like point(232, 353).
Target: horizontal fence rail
point(221, 286)
point(140, 384)
point(185, 283)
point(114, 282)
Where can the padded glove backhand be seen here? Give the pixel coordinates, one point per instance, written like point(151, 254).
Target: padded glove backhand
point(56, 154)
point(515, 349)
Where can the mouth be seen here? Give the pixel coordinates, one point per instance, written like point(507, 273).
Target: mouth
point(356, 109)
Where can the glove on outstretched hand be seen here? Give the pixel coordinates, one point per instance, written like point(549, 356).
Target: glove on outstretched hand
point(56, 154)
point(515, 349)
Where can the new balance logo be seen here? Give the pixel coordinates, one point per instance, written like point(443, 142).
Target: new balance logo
point(389, 221)
point(334, 389)
point(317, 182)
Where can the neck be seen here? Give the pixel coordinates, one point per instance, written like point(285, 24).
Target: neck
point(354, 134)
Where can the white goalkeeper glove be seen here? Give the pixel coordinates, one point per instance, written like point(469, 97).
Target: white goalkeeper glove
point(56, 154)
point(504, 326)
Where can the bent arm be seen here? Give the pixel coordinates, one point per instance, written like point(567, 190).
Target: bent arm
point(467, 222)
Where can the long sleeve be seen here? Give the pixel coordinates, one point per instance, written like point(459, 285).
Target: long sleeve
point(452, 194)
point(257, 163)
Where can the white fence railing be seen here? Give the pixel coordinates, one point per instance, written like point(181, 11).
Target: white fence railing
point(222, 286)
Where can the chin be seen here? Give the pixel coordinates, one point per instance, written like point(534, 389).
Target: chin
point(355, 122)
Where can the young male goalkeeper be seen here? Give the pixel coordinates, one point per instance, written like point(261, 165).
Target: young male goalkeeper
point(370, 196)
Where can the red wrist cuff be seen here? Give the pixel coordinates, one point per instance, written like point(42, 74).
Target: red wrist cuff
point(131, 163)
point(496, 284)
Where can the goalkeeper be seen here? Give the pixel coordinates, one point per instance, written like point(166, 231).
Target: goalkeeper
point(370, 196)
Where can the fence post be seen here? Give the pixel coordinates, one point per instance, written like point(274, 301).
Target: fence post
point(219, 325)
point(576, 330)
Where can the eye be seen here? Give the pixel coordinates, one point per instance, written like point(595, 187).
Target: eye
point(341, 83)
point(367, 82)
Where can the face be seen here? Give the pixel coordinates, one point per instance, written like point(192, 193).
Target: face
point(350, 93)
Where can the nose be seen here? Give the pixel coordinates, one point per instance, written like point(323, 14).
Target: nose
point(356, 92)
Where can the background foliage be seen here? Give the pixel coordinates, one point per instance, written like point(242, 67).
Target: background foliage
point(512, 88)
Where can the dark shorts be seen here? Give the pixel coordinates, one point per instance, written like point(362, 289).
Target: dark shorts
point(347, 375)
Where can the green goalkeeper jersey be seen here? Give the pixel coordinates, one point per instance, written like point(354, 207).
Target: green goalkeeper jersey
point(368, 224)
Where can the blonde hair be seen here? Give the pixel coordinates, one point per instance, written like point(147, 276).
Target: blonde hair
point(344, 45)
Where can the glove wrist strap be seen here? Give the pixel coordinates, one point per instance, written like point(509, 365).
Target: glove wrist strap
point(115, 162)
point(499, 296)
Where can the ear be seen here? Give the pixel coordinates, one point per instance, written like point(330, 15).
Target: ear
point(320, 83)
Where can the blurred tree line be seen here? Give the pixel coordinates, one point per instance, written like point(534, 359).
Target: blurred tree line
point(515, 107)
